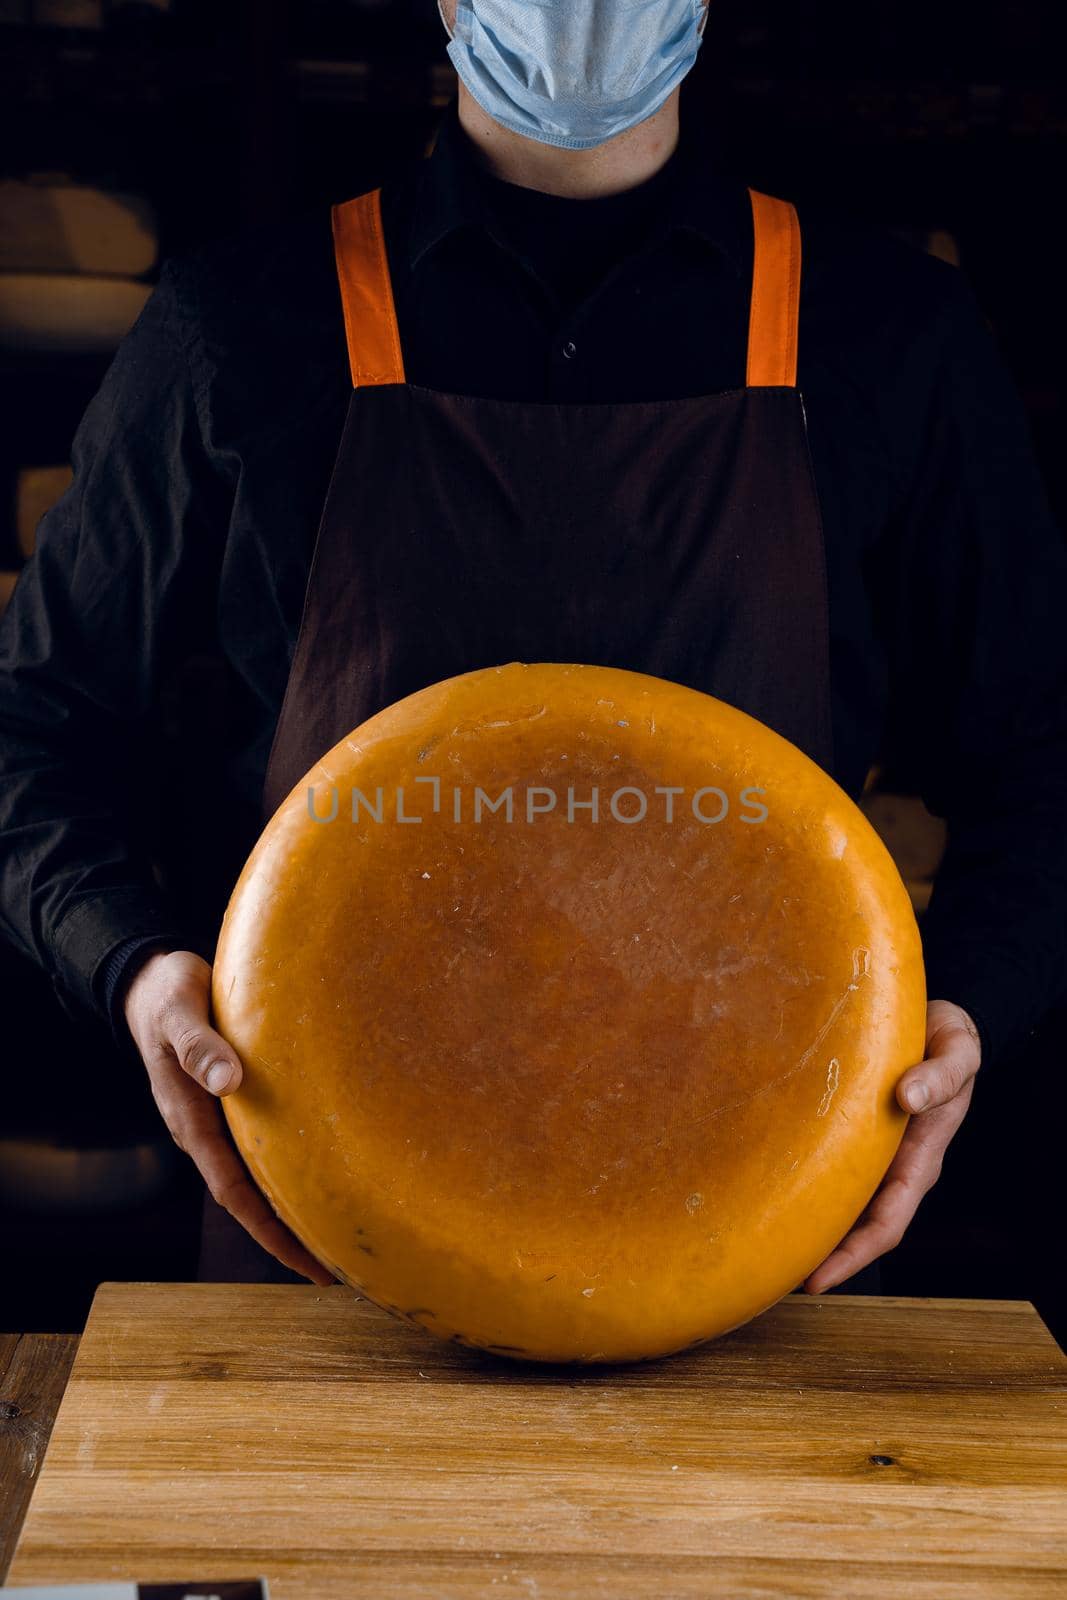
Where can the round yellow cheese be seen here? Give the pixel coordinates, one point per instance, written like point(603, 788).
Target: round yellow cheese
point(571, 1003)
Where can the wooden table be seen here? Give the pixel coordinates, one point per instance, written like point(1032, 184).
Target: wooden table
point(33, 1373)
point(849, 1446)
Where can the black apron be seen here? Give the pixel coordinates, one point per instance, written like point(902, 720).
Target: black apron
point(680, 538)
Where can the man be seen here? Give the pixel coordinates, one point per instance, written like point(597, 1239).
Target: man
point(560, 254)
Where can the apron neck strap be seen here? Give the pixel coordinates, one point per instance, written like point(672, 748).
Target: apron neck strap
point(374, 353)
point(774, 314)
point(366, 291)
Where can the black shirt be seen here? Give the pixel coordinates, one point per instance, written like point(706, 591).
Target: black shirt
point(568, 246)
point(201, 467)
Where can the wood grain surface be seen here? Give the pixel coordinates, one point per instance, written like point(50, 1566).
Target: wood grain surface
point(848, 1446)
point(33, 1373)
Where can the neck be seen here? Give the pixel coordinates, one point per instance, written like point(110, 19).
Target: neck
point(621, 163)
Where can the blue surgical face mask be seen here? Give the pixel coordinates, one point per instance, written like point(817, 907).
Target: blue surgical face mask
point(573, 72)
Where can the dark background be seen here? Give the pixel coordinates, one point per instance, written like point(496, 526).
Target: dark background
point(225, 114)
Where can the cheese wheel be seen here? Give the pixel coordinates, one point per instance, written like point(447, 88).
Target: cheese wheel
point(571, 1003)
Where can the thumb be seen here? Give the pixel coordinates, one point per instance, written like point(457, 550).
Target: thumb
point(199, 1050)
point(951, 1061)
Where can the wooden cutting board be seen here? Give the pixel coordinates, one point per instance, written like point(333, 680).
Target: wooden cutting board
point(849, 1446)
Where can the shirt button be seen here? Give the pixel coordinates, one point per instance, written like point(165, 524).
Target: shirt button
point(570, 349)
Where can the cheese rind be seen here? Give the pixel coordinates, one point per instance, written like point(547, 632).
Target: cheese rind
point(572, 1085)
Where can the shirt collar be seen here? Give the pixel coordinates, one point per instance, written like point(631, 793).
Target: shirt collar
point(700, 200)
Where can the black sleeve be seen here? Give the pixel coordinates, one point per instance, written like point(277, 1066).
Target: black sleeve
point(979, 690)
point(123, 576)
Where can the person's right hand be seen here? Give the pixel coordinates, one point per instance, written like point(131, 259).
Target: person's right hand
point(167, 1008)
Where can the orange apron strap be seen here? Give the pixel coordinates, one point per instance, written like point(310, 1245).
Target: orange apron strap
point(366, 291)
point(775, 311)
point(370, 316)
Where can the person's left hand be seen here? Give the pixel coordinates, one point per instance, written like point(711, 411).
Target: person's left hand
point(937, 1092)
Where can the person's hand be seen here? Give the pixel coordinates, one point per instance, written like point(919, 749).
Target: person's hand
point(167, 1008)
point(937, 1092)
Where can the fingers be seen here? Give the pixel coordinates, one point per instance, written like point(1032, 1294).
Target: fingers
point(231, 1187)
point(912, 1173)
point(196, 1125)
point(937, 1092)
point(953, 1054)
point(189, 1066)
point(881, 1228)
